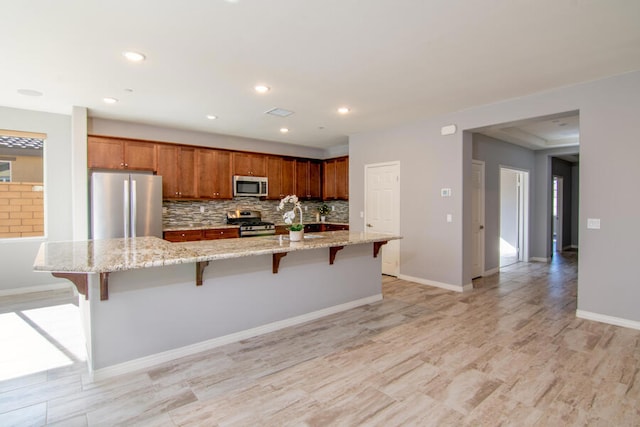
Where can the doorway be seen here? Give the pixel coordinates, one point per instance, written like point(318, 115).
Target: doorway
point(382, 209)
point(514, 216)
point(558, 201)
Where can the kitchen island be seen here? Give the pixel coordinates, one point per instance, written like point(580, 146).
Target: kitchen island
point(147, 301)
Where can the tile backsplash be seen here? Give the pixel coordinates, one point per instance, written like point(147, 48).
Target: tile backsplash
point(178, 213)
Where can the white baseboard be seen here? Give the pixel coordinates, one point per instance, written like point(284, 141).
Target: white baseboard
point(564, 248)
point(603, 318)
point(166, 356)
point(40, 288)
point(491, 271)
point(539, 259)
point(436, 284)
point(574, 246)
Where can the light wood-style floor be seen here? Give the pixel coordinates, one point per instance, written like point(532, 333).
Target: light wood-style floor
point(510, 352)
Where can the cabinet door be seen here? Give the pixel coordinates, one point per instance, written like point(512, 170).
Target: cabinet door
point(329, 180)
point(183, 235)
point(206, 169)
point(104, 153)
point(315, 184)
point(139, 155)
point(187, 172)
point(274, 174)
point(287, 177)
point(248, 164)
point(168, 169)
point(220, 233)
point(342, 178)
point(223, 185)
point(302, 178)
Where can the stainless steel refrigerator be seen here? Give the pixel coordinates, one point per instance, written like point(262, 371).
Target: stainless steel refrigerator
point(125, 205)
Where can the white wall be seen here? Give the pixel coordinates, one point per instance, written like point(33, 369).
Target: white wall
point(435, 250)
point(17, 255)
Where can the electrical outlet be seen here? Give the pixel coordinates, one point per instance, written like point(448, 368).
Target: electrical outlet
point(333, 208)
point(201, 209)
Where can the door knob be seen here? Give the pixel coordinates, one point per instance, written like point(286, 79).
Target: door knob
point(369, 225)
point(482, 227)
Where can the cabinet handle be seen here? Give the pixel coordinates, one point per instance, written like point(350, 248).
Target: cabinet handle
point(126, 165)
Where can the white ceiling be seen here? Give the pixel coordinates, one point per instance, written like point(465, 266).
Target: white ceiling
point(390, 61)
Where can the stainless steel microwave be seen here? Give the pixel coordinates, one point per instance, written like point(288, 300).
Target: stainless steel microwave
point(256, 186)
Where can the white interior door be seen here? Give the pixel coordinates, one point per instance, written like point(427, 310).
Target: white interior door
point(477, 218)
point(382, 209)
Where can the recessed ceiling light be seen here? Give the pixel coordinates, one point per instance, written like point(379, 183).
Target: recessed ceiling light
point(134, 56)
point(109, 100)
point(29, 92)
point(262, 88)
point(343, 110)
point(284, 130)
point(211, 117)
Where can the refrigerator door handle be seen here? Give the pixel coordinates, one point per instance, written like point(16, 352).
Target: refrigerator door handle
point(126, 208)
point(134, 205)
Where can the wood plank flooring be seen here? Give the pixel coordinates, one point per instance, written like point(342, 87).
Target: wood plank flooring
point(511, 352)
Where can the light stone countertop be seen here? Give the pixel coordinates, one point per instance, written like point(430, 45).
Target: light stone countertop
point(101, 256)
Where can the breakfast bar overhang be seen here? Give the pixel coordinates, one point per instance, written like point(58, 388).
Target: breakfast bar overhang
point(146, 301)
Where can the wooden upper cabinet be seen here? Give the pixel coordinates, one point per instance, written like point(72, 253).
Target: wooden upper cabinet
point(249, 164)
point(342, 178)
point(281, 174)
point(213, 174)
point(308, 182)
point(335, 183)
point(176, 165)
point(114, 153)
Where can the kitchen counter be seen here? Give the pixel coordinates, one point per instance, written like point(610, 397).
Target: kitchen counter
point(109, 255)
point(148, 301)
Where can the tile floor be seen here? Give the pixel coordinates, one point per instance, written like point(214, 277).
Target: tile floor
point(510, 352)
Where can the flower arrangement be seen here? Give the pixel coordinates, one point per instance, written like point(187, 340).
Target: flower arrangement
point(289, 216)
point(324, 209)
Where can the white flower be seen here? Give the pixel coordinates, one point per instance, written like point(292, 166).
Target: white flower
point(290, 216)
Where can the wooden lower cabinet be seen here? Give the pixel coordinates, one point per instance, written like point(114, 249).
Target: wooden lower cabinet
point(316, 227)
point(335, 227)
point(220, 233)
point(183, 235)
point(206, 234)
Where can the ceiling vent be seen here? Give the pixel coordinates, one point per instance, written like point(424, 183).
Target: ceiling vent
point(279, 112)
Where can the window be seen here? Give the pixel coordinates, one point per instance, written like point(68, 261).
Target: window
point(5, 171)
point(21, 184)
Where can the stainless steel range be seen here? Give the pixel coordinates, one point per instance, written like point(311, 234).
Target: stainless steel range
point(251, 223)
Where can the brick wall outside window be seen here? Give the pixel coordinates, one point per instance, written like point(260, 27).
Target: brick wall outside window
point(21, 209)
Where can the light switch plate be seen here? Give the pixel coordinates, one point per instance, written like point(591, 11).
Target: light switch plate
point(593, 223)
point(445, 192)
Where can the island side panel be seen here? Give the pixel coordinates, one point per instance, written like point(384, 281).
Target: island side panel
point(159, 309)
